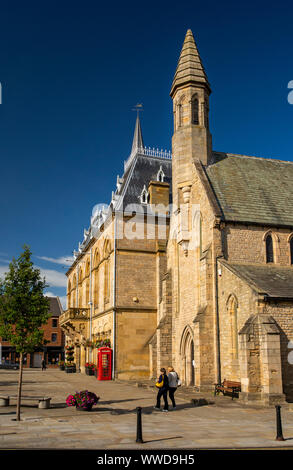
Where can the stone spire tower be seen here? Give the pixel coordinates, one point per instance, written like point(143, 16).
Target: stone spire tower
point(190, 93)
point(137, 137)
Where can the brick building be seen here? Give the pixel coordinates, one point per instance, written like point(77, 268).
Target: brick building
point(53, 352)
point(213, 295)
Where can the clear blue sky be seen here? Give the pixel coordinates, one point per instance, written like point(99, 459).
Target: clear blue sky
point(71, 73)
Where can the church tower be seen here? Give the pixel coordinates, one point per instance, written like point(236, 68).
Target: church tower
point(190, 93)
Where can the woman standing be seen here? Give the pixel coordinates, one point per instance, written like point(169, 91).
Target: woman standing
point(163, 390)
point(173, 384)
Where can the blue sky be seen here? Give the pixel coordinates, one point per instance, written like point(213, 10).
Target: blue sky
point(71, 73)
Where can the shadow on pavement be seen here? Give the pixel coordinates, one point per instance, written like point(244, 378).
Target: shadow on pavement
point(145, 410)
point(163, 439)
point(120, 401)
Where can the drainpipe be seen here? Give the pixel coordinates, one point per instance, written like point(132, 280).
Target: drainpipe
point(91, 303)
point(77, 279)
point(218, 326)
point(114, 302)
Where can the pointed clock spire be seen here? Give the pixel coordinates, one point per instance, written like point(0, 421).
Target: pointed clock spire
point(190, 68)
point(137, 138)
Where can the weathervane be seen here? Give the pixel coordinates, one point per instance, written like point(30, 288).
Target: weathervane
point(138, 107)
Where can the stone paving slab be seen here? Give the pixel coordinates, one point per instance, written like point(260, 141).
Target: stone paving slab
point(112, 423)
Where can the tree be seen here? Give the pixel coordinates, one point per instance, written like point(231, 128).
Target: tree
point(23, 309)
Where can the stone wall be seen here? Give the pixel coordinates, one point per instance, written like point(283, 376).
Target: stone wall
point(246, 244)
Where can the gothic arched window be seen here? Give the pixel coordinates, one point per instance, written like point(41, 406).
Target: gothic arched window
point(232, 312)
point(291, 250)
point(206, 114)
point(144, 197)
point(269, 249)
point(194, 111)
point(106, 281)
point(160, 175)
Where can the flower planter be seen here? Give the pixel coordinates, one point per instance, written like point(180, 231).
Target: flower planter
point(86, 408)
point(62, 367)
point(70, 370)
point(90, 371)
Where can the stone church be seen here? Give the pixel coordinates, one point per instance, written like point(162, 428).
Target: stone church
point(192, 262)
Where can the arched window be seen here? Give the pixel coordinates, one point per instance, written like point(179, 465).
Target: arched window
point(232, 312)
point(144, 197)
point(206, 114)
point(200, 235)
point(269, 249)
point(80, 300)
point(87, 293)
point(291, 250)
point(179, 112)
point(96, 258)
point(69, 295)
point(87, 269)
point(106, 281)
point(106, 253)
point(194, 111)
point(160, 175)
point(96, 293)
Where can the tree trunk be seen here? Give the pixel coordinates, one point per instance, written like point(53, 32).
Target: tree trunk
point(19, 387)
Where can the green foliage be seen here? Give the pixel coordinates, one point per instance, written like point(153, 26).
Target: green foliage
point(23, 307)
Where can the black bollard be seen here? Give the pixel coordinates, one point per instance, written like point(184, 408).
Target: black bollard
point(279, 424)
point(138, 426)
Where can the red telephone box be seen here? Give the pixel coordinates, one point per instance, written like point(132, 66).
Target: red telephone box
point(104, 364)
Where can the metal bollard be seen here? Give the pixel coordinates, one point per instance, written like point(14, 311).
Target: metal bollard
point(279, 424)
point(138, 426)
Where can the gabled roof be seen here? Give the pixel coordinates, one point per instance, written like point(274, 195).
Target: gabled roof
point(55, 308)
point(266, 279)
point(252, 189)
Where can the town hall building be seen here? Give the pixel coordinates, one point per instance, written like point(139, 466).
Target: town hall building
point(206, 283)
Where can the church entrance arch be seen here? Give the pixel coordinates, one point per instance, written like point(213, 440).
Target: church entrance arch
point(187, 356)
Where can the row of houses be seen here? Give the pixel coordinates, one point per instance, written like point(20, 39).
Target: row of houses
point(53, 352)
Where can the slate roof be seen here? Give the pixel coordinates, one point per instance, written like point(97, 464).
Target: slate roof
point(269, 279)
point(143, 169)
point(55, 307)
point(253, 189)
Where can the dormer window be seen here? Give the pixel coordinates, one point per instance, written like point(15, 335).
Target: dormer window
point(160, 175)
point(144, 197)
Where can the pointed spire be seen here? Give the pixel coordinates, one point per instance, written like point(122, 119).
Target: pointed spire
point(137, 138)
point(190, 67)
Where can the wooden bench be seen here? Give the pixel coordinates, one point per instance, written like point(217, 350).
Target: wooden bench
point(228, 386)
point(43, 402)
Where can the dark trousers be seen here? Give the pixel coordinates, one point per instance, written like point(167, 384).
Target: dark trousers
point(172, 390)
point(164, 392)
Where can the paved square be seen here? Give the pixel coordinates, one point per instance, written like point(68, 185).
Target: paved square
point(112, 423)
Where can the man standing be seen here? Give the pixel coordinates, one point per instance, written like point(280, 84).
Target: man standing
point(43, 364)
